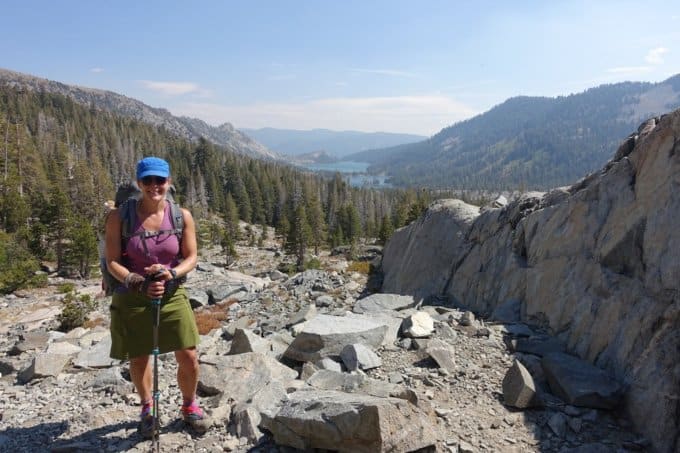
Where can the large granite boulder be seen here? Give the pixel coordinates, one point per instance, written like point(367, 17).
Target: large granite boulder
point(579, 383)
point(596, 262)
point(350, 422)
point(380, 302)
point(326, 335)
point(418, 257)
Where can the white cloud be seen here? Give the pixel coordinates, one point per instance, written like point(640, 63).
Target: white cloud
point(655, 56)
point(173, 88)
point(425, 114)
point(97, 70)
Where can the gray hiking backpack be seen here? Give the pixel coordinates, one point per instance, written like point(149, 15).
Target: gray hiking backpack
point(126, 199)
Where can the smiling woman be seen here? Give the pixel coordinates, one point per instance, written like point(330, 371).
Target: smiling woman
point(150, 311)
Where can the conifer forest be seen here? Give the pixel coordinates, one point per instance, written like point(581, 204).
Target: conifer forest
point(60, 161)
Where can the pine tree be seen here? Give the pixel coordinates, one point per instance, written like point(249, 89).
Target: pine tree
point(81, 252)
point(231, 221)
point(300, 233)
point(315, 219)
point(386, 229)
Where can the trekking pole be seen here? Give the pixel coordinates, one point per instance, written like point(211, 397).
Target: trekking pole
point(156, 303)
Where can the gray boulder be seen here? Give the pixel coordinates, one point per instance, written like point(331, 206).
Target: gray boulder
point(442, 353)
point(44, 365)
point(326, 335)
point(380, 302)
point(246, 340)
point(304, 314)
point(240, 376)
point(579, 383)
point(30, 341)
point(418, 257)
point(350, 422)
point(519, 389)
point(256, 380)
point(359, 357)
point(97, 355)
point(540, 346)
point(328, 364)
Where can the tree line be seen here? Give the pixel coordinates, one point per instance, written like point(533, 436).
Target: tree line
point(60, 161)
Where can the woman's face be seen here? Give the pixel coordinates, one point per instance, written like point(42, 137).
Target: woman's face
point(154, 187)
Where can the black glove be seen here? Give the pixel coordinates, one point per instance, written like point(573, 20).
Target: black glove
point(135, 282)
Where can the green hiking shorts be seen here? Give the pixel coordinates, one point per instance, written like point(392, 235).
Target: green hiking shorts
point(132, 324)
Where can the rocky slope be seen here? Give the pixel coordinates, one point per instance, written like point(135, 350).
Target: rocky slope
point(595, 264)
point(189, 128)
point(382, 373)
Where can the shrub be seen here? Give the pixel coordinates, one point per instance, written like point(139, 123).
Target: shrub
point(75, 308)
point(287, 268)
point(313, 263)
point(66, 288)
point(18, 268)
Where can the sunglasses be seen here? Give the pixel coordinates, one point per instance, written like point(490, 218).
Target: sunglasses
point(148, 180)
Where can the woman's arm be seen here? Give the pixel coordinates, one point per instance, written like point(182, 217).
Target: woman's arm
point(113, 252)
point(189, 246)
point(113, 244)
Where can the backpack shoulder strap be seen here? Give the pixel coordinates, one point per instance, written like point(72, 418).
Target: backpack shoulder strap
point(177, 219)
point(128, 217)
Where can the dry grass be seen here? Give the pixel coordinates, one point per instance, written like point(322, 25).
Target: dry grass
point(91, 323)
point(211, 317)
point(362, 267)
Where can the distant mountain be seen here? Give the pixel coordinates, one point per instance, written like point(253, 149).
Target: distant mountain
point(316, 157)
point(337, 143)
point(528, 142)
point(188, 128)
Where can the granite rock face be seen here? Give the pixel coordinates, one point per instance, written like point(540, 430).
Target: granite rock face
point(417, 259)
point(596, 262)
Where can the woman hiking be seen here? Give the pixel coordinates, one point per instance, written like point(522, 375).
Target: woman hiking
point(152, 264)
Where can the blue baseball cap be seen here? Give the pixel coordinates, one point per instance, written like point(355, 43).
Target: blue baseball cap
point(152, 166)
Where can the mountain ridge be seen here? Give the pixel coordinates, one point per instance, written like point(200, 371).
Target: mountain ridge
point(189, 128)
point(528, 141)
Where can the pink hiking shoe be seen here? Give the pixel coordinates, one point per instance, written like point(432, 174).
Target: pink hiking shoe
point(194, 417)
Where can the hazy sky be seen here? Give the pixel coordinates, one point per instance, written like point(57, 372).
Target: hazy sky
point(397, 66)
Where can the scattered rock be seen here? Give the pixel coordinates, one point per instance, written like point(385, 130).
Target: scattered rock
point(519, 389)
point(579, 383)
point(418, 325)
point(359, 357)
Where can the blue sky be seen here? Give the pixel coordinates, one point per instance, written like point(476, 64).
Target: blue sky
point(395, 66)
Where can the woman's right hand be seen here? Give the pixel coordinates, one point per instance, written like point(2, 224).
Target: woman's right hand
point(155, 288)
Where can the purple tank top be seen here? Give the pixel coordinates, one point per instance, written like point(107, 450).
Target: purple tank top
point(160, 249)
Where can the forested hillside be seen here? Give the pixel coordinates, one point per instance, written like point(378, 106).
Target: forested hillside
point(528, 142)
point(189, 128)
point(60, 161)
